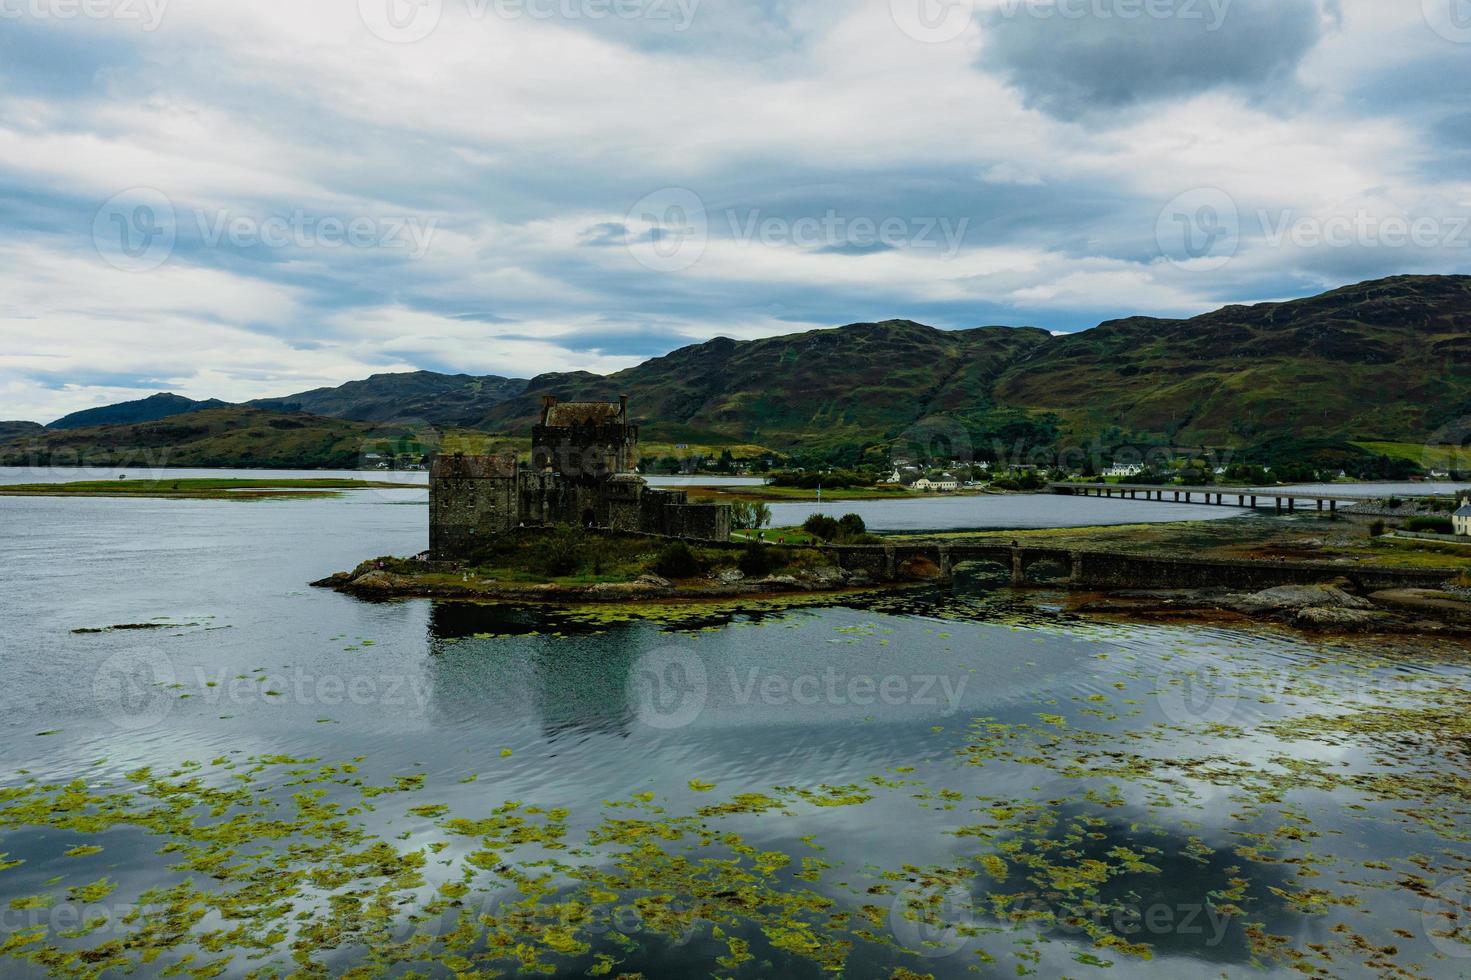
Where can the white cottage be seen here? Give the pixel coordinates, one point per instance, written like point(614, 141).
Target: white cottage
point(1461, 519)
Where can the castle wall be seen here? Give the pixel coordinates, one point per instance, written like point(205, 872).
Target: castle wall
point(581, 475)
point(471, 500)
point(586, 453)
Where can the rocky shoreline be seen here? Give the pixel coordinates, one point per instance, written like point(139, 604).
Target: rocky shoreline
point(369, 581)
point(1331, 607)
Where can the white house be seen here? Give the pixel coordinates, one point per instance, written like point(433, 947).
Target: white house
point(1461, 519)
point(945, 482)
point(1124, 470)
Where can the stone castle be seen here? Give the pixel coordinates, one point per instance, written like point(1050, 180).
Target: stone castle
point(584, 457)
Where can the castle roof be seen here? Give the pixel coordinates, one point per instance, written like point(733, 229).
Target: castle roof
point(458, 466)
point(584, 413)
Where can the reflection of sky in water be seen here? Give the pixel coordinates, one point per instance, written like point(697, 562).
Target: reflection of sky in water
point(594, 711)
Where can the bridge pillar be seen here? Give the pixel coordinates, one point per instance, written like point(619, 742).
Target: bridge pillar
point(1320, 506)
point(1253, 501)
point(1075, 573)
point(1279, 505)
point(1292, 503)
point(891, 566)
point(947, 567)
point(1018, 569)
point(1240, 500)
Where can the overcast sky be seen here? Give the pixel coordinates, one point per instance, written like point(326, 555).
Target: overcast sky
point(230, 199)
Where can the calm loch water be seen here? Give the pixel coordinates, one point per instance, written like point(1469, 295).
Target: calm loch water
point(270, 778)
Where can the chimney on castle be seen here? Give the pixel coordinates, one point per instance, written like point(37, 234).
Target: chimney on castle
point(623, 407)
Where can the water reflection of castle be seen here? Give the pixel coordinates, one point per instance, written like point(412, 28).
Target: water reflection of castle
point(570, 688)
point(584, 457)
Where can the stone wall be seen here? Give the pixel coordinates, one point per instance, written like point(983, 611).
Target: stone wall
point(474, 498)
point(585, 453)
point(471, 499)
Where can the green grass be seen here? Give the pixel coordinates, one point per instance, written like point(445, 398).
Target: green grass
point(1430, 456)
point(202, 488)
point(798, 494)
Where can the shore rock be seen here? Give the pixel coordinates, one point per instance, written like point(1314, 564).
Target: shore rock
point(1424, 600)
point(652, 580)
point(375, 581)
point(1289, 598)
point(1333, 618)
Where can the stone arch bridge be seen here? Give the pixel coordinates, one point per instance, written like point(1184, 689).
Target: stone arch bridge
point(1117, 570)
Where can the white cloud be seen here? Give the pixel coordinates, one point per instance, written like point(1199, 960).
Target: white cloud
point(512, 138)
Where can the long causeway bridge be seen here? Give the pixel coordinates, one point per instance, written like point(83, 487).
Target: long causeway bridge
point(1081, 568)
point(1250, 498)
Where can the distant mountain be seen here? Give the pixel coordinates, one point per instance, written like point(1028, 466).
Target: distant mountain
point(857, 383)
point(14, 430)
point(1385, 360)
point(418, 396)
point(1381, 361)
point(152, 408)
point(231, 436)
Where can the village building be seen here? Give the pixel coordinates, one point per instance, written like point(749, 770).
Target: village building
point(941, 482)
point(584, 457)
point(1461, 519)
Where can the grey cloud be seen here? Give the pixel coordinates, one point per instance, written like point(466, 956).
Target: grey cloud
point(1087, 56)
point(606, 234)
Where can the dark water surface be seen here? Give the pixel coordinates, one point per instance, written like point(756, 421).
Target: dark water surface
point(955, 783)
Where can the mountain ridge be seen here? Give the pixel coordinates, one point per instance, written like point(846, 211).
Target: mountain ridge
point(1378, 361)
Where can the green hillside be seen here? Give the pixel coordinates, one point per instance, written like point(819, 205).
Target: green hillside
point(1380, 361)
point(1369, 365)
point(419, 396)
point(231, 437)
point(159, 406)
point(852, 384)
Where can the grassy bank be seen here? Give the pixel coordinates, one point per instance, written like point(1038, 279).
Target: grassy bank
point(1260, 538)
point(202, 488)
point(801, 495)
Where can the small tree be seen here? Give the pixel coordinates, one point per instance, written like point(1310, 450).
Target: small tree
point(746, 515)
point(563, 551)
point(851, 526)
point(821, 526)
point(756, 560)
point(677, 561)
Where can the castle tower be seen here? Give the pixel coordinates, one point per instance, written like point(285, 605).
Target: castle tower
point(471, 499)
